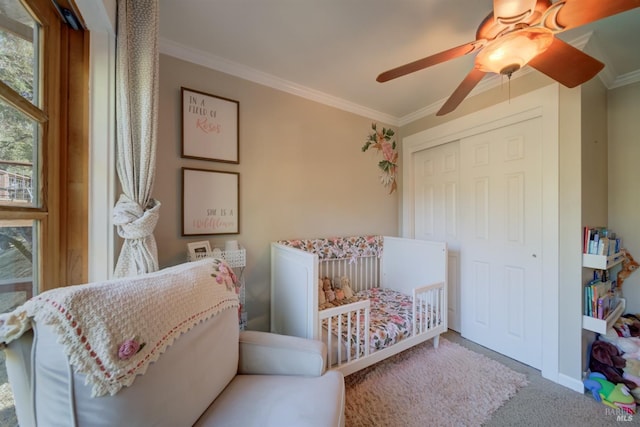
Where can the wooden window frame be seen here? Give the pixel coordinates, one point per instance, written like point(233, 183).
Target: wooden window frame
point(63, 212)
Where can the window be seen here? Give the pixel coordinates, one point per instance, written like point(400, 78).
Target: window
point(22, 120)
point(43, 152)
point(43, 146)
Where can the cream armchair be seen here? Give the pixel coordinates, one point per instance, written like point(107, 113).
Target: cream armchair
point(211, 375)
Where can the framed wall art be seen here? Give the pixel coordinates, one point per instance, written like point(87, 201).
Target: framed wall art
point(210, 202)
point(210, 127)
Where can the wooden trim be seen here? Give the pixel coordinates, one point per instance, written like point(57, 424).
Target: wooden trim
point(22, 215)
point(76, 180)
point(12, 98)
point(62, 217)
point(52, 47)
point(61, 163)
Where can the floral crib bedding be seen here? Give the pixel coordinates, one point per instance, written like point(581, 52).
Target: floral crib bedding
point(390, 320)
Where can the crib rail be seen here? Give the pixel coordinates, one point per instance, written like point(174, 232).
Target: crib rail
point(352, 320)
point(345, 330)
point(364, 274)
point(405, 266)
point(429, 307)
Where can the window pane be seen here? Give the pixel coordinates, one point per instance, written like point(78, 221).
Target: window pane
point(18, 63)
point(18, 158)
point(16, 262)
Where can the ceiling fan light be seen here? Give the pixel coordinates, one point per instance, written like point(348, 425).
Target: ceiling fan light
point(513, 51)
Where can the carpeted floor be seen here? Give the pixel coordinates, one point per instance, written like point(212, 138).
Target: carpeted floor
point(543, 402)
point(423, 386)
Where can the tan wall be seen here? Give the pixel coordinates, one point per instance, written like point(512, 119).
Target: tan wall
point(624, 178)
point(302, 174)
point(594, 154)
point(569, 249)
point(591, 207)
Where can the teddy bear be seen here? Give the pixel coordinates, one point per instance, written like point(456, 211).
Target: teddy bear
point(337, 287)
point(345, 285)
point(329, 294)
point(629, 265)
point(322, 299)
point(606, 359)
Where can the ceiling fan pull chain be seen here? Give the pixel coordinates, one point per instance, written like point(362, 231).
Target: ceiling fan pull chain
point(508, 85)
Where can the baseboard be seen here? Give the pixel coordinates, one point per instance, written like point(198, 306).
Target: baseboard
point(571, 383)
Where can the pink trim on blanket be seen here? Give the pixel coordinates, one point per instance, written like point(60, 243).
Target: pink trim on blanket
point(94, 320)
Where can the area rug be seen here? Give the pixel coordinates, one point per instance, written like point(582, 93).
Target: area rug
point(425, 386)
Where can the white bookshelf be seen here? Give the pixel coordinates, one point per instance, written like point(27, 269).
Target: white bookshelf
point(600, 326)
point(601, 262)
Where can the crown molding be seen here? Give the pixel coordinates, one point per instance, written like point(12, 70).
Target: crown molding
point(205, 59)
point(586, 42)
point(626, 79)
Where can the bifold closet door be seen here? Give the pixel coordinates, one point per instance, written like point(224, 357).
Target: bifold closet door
point(436, 186)
point(501, 240)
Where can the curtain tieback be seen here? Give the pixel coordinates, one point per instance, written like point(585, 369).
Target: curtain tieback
point(132, 220)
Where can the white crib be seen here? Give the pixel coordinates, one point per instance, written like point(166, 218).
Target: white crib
point(415, 268)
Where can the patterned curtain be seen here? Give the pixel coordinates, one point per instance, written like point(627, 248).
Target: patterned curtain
point(136, 213)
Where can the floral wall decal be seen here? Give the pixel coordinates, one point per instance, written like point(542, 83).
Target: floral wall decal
point(382, 141)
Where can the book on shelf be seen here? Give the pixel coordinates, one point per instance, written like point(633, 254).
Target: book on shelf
point(599, 299)
point(600, 241)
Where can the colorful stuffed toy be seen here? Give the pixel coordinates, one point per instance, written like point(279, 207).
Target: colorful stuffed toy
point(614, 395)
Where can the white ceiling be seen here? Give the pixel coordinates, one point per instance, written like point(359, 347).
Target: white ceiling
point(332, 50)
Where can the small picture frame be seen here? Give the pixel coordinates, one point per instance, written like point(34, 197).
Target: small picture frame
point(198, 250)
point(210, 202)
point(210, 127)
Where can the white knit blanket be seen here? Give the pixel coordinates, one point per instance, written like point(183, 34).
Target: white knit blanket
point(112, 330)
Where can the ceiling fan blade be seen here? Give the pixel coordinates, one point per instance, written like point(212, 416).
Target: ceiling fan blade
point(429, 61)
point(575, 13)
point(461, 92)
point(566, 64)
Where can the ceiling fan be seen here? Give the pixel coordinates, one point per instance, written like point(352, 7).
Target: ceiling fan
point(521, 32)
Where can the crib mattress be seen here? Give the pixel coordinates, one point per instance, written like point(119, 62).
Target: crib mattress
point(390, 319)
